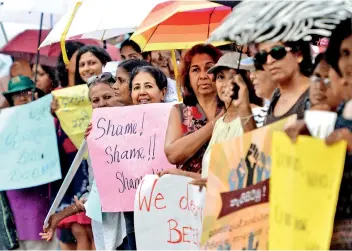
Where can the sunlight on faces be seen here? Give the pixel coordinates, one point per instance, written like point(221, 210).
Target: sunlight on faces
point(89, 65)
point(263, 85)
point(345, 64)
point(127, 52)
point(201, 82)
point(122, 86)
point(283, 69)
point(43, 80)
point(103, 95)
point(145, 90)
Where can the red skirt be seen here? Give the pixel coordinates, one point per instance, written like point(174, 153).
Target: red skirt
point(80, 218)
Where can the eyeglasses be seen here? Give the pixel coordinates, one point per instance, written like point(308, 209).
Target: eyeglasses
point(316, 79)
point(105, 77)
point(277, 52)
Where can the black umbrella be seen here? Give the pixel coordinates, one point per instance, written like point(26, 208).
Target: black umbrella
point(227, 3)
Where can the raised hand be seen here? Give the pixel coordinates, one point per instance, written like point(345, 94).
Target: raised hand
point(251, 162)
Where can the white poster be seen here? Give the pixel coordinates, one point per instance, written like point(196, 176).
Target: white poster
point(168, 213)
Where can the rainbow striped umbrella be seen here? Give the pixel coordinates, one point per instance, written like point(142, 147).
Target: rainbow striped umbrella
point(179, 25)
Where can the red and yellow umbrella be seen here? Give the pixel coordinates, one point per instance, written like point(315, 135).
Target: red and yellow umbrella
point(179, 25)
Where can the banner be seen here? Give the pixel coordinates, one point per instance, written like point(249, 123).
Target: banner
point(237, 208)
point(28, 146)
point(168, 213)
point(75, 111)
point(125, 144)
point(304, 188)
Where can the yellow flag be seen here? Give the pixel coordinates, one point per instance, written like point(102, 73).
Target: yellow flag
point(304, 187)
point(75, 111)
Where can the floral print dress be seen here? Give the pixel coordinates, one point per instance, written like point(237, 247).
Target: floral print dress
point(193, 118)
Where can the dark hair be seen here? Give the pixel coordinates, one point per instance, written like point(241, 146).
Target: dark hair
point(156, 73)
point(135, 46)
point(130, 64)
point(97, 51)
point(302, 47)
point(253, 98)
point(51, 72)
point(61, 73)
point(319, 58)
point(332, 54)
point(189, 97)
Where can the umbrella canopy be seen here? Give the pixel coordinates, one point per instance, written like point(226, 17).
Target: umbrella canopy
point(25, 46)
point(179, 25)
point(255, 21)
point(227, 3)
point(101, 19)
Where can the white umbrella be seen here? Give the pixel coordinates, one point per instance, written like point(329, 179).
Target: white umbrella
point(101, 19)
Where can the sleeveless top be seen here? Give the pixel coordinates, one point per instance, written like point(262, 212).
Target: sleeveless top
point(298, 108)
point(193, 118)
point(222, 131)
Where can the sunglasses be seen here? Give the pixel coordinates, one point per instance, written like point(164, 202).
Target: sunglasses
point(105, 77)
point(277, 53)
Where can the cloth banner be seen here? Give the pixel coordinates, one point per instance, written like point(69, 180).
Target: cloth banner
point(168, 213)
point(28, 146)
point(236, 213)
point(125, 144)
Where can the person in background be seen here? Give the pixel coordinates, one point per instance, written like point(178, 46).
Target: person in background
point(35, 199)
point(101, 94)
point(123, 77)
point(90, 62)
point(3, 88)
point(131, 50)
point(46, 80)
point(289, 65)
point(191, 123)
point(65, 76)
point(324, 95)
point(264, 88)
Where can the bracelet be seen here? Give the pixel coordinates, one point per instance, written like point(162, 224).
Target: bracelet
point(76, 209)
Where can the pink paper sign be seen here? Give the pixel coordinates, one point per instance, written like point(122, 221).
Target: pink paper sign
point(125, 144)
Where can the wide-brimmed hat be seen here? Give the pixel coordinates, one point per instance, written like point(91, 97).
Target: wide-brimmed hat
point(231, 60)
point(18, 84)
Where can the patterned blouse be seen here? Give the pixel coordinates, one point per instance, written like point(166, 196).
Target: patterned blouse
point(342, 235)
point(193, 118)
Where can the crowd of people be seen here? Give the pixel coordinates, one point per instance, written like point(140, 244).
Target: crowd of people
point(225, 94)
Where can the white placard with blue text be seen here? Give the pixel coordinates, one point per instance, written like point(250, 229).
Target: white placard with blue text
point(28, 146)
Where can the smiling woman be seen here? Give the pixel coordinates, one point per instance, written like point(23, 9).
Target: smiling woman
point(90, 61)
point(148, 85)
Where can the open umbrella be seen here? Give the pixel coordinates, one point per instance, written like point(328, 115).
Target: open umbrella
point(25, 46)
point(100, 19)
point(255, 21)
point(179, 25)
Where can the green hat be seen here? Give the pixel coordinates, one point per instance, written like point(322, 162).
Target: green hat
point(18, 84)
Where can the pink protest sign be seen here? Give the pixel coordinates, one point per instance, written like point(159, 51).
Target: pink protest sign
point(125, 144)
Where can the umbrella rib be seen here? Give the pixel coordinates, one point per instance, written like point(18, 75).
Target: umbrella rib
point(151, 36)
point(211, 13)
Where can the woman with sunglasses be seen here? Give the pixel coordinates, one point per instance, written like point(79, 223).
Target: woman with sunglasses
point(101, 94)
point(289, 65)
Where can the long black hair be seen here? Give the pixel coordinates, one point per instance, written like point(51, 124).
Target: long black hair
point(61, 73)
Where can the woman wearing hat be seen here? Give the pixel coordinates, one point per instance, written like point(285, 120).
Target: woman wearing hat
point(20, 93)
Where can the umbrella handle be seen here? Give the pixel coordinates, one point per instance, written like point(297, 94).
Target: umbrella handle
point(178, 85)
